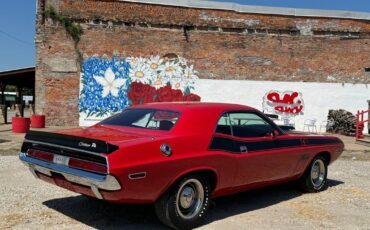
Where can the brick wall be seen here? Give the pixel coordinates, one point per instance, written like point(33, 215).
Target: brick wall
point(221, 45)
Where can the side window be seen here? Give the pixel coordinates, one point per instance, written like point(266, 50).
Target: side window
point(223, 125)
point(249, 125)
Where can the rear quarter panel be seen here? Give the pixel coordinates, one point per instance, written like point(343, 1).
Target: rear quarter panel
point(189, 153)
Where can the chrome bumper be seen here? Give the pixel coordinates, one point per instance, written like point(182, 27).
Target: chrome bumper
point(94, 181)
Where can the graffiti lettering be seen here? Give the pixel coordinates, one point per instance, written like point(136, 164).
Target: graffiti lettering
point(286, 103)
point(287, 98)
point(285, 109)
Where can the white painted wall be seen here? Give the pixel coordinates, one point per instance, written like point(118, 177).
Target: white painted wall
point(318, 97)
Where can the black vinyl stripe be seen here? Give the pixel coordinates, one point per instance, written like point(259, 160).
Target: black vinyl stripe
point(234, 146)
point(226, 144)
point(92, 145)
point(323, 141)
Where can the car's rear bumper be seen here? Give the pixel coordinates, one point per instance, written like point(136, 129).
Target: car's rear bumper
point(96, 182)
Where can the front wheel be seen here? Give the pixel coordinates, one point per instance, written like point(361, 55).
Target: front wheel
point(186, 204)
point(315, 177)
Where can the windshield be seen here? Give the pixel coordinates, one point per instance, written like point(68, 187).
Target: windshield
point(144, 118)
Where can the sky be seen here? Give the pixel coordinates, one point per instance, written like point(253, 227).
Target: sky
point(17, 33)
point(17, 24)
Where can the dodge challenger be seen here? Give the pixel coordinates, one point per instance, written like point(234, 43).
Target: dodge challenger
point(179, 156)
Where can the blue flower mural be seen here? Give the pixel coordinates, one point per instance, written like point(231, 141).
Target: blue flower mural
point(104, 86)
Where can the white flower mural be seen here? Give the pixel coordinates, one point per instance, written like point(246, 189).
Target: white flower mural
point(110, 83)
point(154, 62)
point(190, 77)
point(171, 69)
point(190, 74)
point(140, 72)
point(159, 82)
point(159, 72)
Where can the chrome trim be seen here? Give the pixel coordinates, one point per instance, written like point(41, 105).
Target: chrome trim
point(132, 175)
point(70, 148)
point(92, 180)
point(96, 192)
point(166, 150)
point(62, 146)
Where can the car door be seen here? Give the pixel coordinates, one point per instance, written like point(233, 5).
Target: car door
point(261, 150)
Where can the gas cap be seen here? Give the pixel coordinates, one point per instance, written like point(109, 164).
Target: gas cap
point(166, 150)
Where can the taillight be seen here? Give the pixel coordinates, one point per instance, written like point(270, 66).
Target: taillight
point(87, 165)
point(68, 161)
point(40, 155)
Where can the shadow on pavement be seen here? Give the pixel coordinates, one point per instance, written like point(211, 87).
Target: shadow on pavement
point(103, 215)
point(256, 199)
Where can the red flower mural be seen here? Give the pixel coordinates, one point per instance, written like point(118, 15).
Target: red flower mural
point(165, 93)
point(142, 93)
point(191, 97)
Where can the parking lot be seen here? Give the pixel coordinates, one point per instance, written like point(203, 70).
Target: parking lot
point(27, 203)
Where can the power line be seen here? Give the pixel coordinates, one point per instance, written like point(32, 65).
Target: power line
point(17, 39)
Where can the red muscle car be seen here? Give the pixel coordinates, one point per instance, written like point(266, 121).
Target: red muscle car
point(179, 156)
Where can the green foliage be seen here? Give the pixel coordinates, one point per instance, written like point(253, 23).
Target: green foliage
point(101, 113)
point(11, 88)
point(73, 29)
point(187, 91)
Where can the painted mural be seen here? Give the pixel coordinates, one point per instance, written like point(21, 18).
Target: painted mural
point(288, 103)
point(110, 85)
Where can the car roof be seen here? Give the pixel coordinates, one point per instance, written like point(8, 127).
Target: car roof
point(196, 117)
point(183, 106)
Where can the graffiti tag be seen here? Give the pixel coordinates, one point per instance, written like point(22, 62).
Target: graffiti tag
point(287, 103)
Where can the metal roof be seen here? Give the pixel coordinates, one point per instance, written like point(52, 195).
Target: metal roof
point(258, 9)
point(17, 71)
point(20, 77)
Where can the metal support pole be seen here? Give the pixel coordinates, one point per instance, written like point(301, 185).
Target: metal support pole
point(368, 117)
point(20, 100)
point(357, 123)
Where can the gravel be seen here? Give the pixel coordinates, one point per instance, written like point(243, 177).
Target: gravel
point(27, 203)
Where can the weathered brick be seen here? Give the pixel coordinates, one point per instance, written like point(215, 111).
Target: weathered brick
point(220, 44)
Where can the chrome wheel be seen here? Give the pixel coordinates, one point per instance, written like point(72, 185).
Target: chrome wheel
point(190, 198)
point(318, 172)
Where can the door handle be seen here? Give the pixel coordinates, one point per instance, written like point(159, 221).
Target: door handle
point(243, 149)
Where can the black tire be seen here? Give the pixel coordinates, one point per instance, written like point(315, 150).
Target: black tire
point(314, 178)
point(172, 209)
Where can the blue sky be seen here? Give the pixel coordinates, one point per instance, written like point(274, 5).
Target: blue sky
point(17, 32)
point(17, 24)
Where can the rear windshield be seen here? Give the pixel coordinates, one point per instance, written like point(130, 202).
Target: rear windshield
point(144, 118)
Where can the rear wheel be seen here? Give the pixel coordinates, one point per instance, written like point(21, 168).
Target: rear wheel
point(315, 177)
point(186, 204)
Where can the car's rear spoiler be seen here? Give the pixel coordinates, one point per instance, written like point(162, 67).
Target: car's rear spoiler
point(75, 142)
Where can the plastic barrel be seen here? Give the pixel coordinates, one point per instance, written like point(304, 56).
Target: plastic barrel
point(20, 124)
point(38, 121)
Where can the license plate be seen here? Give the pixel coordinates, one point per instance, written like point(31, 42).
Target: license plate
point(61, 160)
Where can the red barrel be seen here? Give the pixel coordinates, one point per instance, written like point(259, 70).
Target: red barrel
point(20, 124)
point(38, 121)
